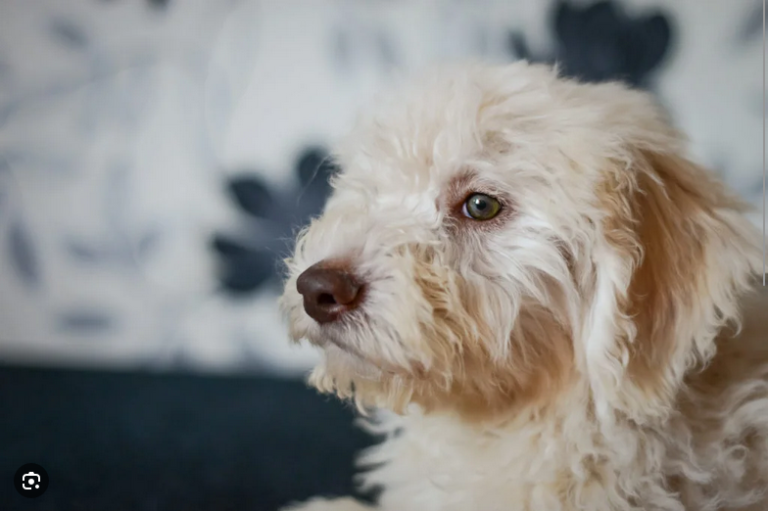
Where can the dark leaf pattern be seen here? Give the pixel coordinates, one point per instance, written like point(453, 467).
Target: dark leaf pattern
point(250, 192)
point(85, 321)
point(244, 268)
point(148, 242)
point(68, 34)
point(125, 251)
point(84, 252)
point(314, 166)
point(159, 4)
point(753, 23)
point(599, 42)
point(22, 254)
point(519, 47)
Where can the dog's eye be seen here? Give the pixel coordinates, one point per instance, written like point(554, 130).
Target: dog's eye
point(481, 207)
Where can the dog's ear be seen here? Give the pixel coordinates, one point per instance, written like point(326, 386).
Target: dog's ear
point(673, 254)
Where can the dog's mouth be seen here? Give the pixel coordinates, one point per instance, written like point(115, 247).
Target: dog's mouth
point(335, 345)
point(415, 370)
point(337, 340)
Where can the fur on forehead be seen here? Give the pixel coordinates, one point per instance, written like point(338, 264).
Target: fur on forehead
point(425, 129)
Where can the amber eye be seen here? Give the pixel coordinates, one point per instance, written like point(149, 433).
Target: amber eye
point(481, 207)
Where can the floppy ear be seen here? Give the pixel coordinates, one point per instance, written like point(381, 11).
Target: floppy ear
point(673, 255)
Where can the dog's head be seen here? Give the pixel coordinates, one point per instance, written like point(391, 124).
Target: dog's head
point(498, 236)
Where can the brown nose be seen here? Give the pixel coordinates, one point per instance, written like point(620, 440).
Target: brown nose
point(328, 292)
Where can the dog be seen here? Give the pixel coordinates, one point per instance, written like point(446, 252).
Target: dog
point(539, 301)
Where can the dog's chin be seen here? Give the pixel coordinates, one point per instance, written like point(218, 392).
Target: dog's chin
point(341, 359)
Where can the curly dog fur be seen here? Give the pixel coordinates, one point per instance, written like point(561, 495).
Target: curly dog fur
point(599, 344)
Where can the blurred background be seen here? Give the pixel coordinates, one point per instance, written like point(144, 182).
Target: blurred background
point(157, 155)
point(154, 155)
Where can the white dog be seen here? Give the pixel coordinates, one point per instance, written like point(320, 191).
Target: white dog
point(548, 295)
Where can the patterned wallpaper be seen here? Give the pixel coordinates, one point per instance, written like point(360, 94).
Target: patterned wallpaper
point(156, 156)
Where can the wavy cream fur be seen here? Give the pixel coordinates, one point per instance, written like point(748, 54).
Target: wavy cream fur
point(581, 351)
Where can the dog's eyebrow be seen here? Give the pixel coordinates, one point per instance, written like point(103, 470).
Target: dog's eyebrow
point(459, 183)
point(466, 182)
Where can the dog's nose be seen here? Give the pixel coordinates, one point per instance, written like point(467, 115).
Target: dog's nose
point(328, 292)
